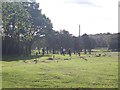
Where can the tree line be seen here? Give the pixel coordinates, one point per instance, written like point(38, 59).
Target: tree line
point(25, 28)
point(107, 40)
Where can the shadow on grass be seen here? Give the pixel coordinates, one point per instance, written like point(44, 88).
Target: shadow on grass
point(18, 58)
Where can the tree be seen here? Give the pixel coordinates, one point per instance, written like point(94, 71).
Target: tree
point(92, 44)
point(88, 43)
point(101, 39)
point(60, 39)
point(22, 22)
point(114, 42)
point(77, 44)
point(41, 24)
point(15, 19)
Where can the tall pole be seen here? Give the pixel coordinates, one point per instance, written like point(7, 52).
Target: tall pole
point(79, 30)
point(80, 41)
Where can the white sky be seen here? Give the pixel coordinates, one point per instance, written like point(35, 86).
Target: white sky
point(94, 16)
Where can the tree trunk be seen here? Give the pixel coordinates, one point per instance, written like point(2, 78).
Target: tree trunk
point(29, 48)
point(89, 51)
point(85, 51)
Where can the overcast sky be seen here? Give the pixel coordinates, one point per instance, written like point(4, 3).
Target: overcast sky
point(94, 16)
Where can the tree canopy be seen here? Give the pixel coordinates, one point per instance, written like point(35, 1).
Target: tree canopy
point(22, 22)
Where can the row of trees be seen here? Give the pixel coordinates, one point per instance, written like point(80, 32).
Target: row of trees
point(65, 40)
point(25, 28)
point(107, 40)
point(85, 42)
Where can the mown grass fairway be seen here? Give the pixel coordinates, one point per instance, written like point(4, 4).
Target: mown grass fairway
point(96, 72)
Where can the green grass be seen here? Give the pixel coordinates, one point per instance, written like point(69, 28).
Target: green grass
point(96, 72)
point(0, 73)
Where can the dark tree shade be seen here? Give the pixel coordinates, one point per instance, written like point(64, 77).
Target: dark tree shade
point(114, 42)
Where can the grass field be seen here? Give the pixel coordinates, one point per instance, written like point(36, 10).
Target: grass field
point(62, 72)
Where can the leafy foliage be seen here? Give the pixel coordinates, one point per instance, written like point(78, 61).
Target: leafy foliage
point(22, 22)
point(88, 43)
point(114, 42)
